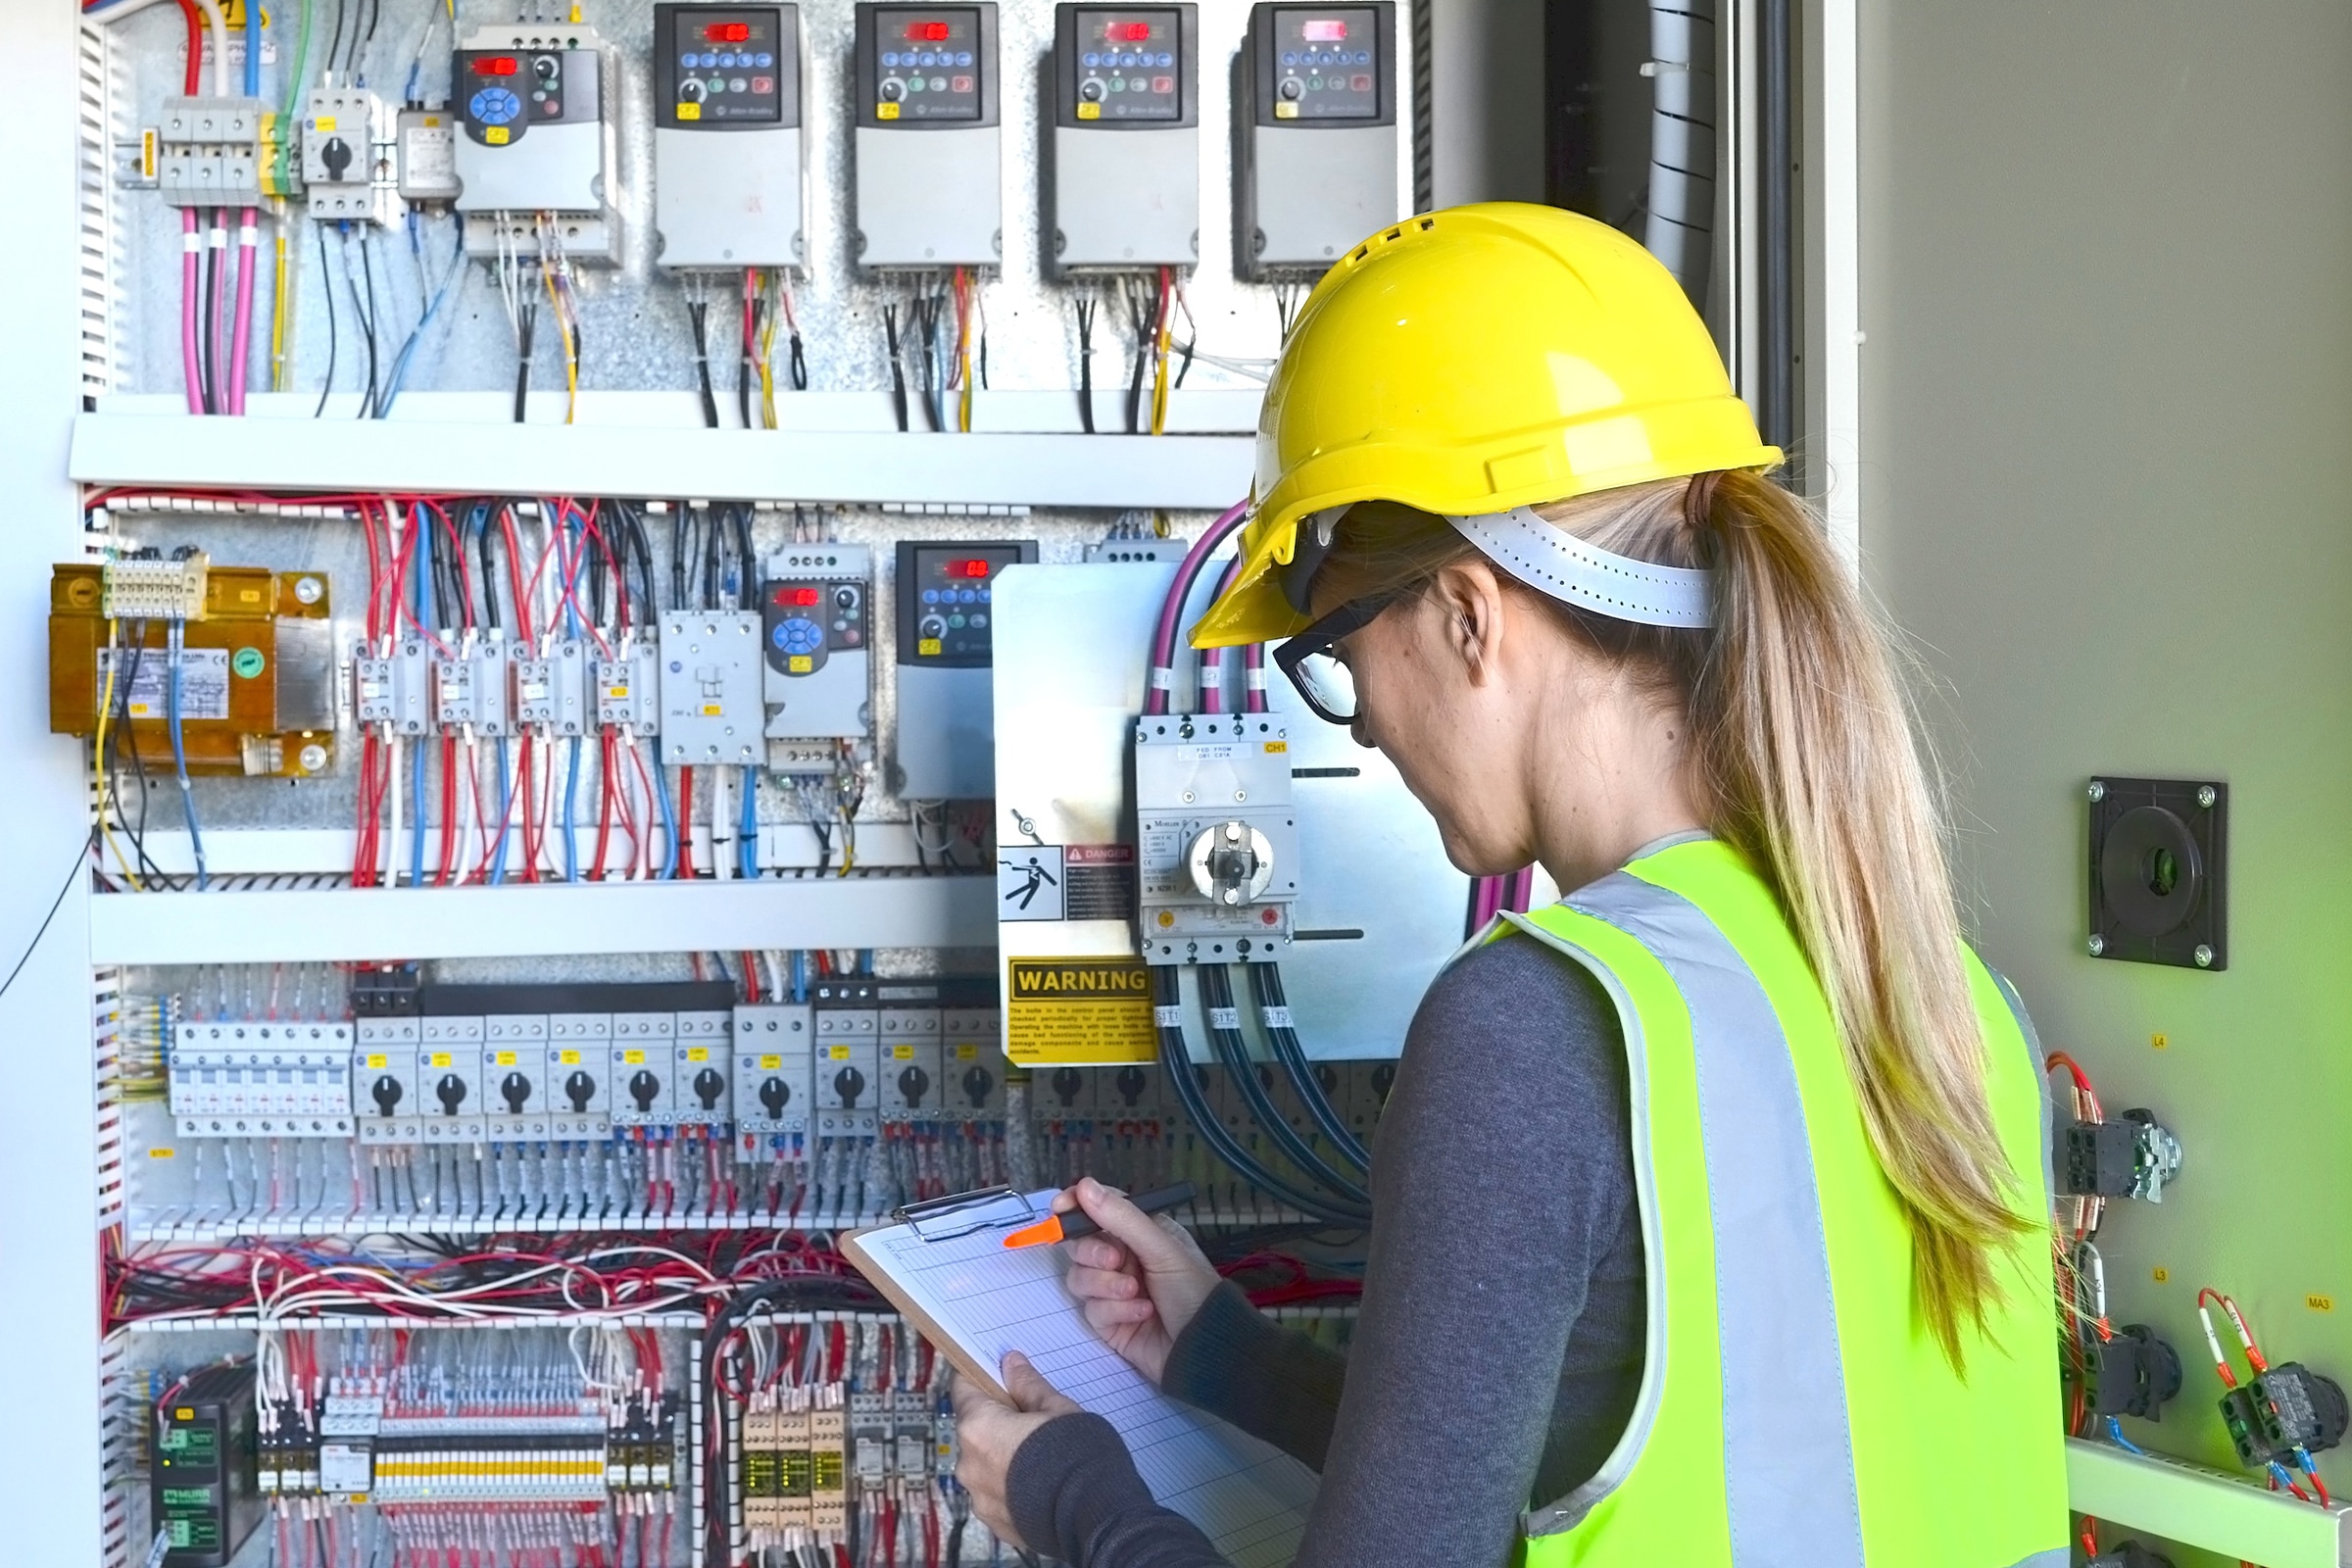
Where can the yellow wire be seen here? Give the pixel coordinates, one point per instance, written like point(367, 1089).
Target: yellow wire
point(572, 361)
point(106, 706)
point(1159, 375)
point(963, 348)
point(278, 311)
point(768, 357)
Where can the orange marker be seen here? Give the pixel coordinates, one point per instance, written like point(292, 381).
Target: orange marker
point(1069, 1227)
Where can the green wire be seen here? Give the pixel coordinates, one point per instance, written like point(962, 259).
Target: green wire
point(302, 66)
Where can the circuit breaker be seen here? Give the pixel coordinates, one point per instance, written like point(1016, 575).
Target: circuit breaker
point(1317, 137)
point(847, 1021)
point(534, 151)
point(1124, 174)
point(1216, 842)
point(347, 170)
point(773, 1066)
point(947, 698)
point(816, 628)
point(928, 145)
point(713, 703)
point(728, 154)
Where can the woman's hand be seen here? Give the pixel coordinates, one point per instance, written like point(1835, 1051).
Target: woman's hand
point(1139, 1279)
point(990, 1431)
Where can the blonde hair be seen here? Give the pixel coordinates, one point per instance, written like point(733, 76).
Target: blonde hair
point(1802, 755)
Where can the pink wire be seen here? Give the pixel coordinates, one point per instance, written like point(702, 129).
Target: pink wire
point(1210, 681)
point(216, 238)
point(190, 245)
point(1163, 639)
point(244, 327)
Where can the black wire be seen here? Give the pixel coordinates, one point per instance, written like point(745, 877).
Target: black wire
point(489, 573)
point(366, 311)
point(526, 330)
point(121, 735)
point(897, 370)
point(207, 374)
point(743, 358)
point(337, 41)
point(748, 588)
point(1216, 994)
point(55, 904)
point(1086, 362)
point(677, 557)
point(359, 46)
point(1141, 320)
point(326, 277)
point(1265, 981)
point(710, 528)
point(800, 363)
point(698, 315)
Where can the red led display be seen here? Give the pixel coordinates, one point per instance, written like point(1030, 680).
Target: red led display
point(967, 569)
point(1128, 33)
point(927, 31)
point(1325, 29)
point(728, 33)
point(497, 66)
point(797, 596)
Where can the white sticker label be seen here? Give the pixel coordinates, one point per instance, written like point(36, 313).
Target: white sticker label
point(1224, 1017)
point(1210, 752)
point(1276, 1017)
point(203, 682)
point(428, 155)
point(1169, 1017)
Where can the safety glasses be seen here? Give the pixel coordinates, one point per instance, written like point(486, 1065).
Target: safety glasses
point(1324, 682)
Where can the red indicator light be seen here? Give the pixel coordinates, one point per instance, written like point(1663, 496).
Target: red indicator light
point(1128, 32)
point(967, 569)
point(1326, 30)
point(927, 31)
point(497, 66)
point(728, 33)
point(797, 596)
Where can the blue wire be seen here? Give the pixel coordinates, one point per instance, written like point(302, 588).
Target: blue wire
point(179, 760)
point(571, 796)
point(2115, 1430)
point(253, 51)
point(799, 975)
point(498, 857)
point(746, 827)
point(433, 308)
point(669, 820)
point(865, 961)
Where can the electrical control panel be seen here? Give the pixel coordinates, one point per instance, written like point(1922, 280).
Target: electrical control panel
point(817, 634)
point(534, 153)
point(714, 704)
point(1124, 174)
point(1316, 129)
point(347, 157)
point(946, 706)
point(1216, 838)
point(729, 158)
point(927, 143)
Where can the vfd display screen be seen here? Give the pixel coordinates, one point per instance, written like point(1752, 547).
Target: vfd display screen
point(927, 63)
point(1129, 63)
point(729, 66)
point(1325, 64)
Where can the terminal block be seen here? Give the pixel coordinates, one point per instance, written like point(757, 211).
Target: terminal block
point(209, 151)
point(1218, 845)
point(2282, 1409)
point(2134, 1157)
point(260, 1080)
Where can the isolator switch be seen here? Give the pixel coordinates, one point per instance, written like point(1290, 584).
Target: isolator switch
point(927, 144)
point(729, 160)
point(347, 157)
point(1216, 842)
point(1124, 171)
point(1317, 137)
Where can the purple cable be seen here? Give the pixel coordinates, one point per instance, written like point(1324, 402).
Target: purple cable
point(243, 335)
point(1163, 640)
point(1519, 889)
point(191, 246)
point(215, 238)
point(1208, 684)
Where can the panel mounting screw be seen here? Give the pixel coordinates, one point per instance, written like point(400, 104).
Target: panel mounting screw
point(2207, 795)
point(2098, 790)
point(2203, 955)
point(2097, 946)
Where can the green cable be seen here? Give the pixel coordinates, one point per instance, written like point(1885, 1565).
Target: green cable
point(302, 66)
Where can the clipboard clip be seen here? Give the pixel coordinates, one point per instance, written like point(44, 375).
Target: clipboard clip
point(987, 1208)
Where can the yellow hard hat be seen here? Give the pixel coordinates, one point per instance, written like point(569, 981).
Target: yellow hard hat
point(1470, 360)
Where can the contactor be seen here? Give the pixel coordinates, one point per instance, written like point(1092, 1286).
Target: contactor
point(928, 145)
point(1124, 175)
point(1317, 137)
point(729, 166)
point(711, 694)
point(817, 626)
point(1216, 842)
point(947, 696)
point(534, 148)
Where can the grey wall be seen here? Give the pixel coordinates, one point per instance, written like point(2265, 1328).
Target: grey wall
point(1485, 100)
point(2107, 426)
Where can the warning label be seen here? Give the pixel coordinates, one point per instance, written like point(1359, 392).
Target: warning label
point(1100, 882)
point(1079, 1010)
point(203, 681)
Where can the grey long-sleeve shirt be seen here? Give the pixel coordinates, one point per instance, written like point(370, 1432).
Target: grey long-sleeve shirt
point(1498, 1350)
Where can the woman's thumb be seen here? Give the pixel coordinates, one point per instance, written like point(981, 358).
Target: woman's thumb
point(1123, 1222)
point(1030, 1389)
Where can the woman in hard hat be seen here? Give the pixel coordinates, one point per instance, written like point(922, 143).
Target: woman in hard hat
point(1708, 1213)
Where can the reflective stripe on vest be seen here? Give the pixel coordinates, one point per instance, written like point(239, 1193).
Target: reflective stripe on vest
point(1742, 1447)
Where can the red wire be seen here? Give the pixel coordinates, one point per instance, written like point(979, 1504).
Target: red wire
point(686, 821)
point(449, 808)
point(603, 809)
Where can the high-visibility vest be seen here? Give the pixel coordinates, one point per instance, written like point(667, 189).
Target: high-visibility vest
point(1794, 1408)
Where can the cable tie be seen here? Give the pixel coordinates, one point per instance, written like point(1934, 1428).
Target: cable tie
point(1276, 1017)
point(1169, 1017)
point(1224, 1017)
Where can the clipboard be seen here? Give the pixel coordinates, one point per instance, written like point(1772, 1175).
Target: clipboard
point(938, 1220)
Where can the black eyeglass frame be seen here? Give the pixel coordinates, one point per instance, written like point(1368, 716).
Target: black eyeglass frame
point(1318, 637)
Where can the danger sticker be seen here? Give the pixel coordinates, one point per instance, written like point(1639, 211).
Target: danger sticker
point(1088, 1009)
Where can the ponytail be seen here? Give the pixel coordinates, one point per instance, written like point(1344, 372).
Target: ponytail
point(1803, 758)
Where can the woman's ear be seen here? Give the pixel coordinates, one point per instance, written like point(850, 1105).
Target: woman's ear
point(1470, 599)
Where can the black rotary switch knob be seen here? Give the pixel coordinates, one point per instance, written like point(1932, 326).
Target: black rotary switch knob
point(773, 1094)
point(515, 1088)
point(848, 1084)
point(579, 1089)
point(708, 1086)
point(643, 1087)
point(1130, 1083)
point(913, 1084)
point(451, 1091)
point(1066, 1083)
point(977, 1082)
point(336, 156)
point(387, 1093)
